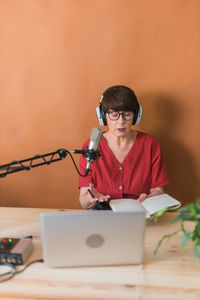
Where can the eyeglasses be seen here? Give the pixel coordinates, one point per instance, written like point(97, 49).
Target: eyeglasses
point(115, 115)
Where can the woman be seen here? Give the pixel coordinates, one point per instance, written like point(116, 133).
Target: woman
point(131, 163)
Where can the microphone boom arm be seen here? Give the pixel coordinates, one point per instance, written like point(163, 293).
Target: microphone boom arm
point(39, 160)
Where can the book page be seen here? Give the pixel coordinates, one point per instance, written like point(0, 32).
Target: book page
point(123, 205)
point(156, 203)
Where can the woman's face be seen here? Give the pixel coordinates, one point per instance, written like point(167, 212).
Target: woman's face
point(122, 126)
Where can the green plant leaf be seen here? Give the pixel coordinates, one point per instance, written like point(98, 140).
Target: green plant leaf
point(189, 212)
point(159, 213)
point(197, 243)
point(185, 239)
point(166, 236)
point(196, 232)
point(196, 253)
point(183, 209)
point(183, 217)
point(192, 207)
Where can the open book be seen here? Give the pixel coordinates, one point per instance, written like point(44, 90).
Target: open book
point(151, 205)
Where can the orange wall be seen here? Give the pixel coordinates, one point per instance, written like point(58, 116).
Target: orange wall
point(56, 58)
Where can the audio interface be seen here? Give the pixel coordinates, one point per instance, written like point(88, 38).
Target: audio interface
point(15, 251)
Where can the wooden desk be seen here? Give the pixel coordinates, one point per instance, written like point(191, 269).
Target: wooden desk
point(172, 274)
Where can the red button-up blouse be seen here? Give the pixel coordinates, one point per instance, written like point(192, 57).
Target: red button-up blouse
point(142, 169)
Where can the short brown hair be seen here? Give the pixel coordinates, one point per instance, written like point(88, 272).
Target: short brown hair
point(119, 98)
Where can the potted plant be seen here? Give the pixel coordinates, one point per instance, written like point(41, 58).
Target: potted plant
point(189, 212)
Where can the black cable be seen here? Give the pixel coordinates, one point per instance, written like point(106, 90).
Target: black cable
point(6, 279)
point(26, 266)
point(7, 273)
point(75, 164)
point(14, 271)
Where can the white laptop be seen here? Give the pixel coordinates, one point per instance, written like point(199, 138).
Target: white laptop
point(92, 238)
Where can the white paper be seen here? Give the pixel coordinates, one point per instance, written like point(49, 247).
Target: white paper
point(156, 203)
point(151, 205)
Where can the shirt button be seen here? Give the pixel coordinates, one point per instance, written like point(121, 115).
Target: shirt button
point(120, 168)
point(120, 187)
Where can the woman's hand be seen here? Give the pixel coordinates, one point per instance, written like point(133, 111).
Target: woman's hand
point(142, 197)
point(87, 200)
point(99, 197)
point(153, 192)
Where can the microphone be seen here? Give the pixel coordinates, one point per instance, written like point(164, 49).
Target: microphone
point(92, 152)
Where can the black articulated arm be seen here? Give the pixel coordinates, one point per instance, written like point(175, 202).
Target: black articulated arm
point(35, 161)
point(43, 159)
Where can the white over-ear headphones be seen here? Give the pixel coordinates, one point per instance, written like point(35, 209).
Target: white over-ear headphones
point(101, 115)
